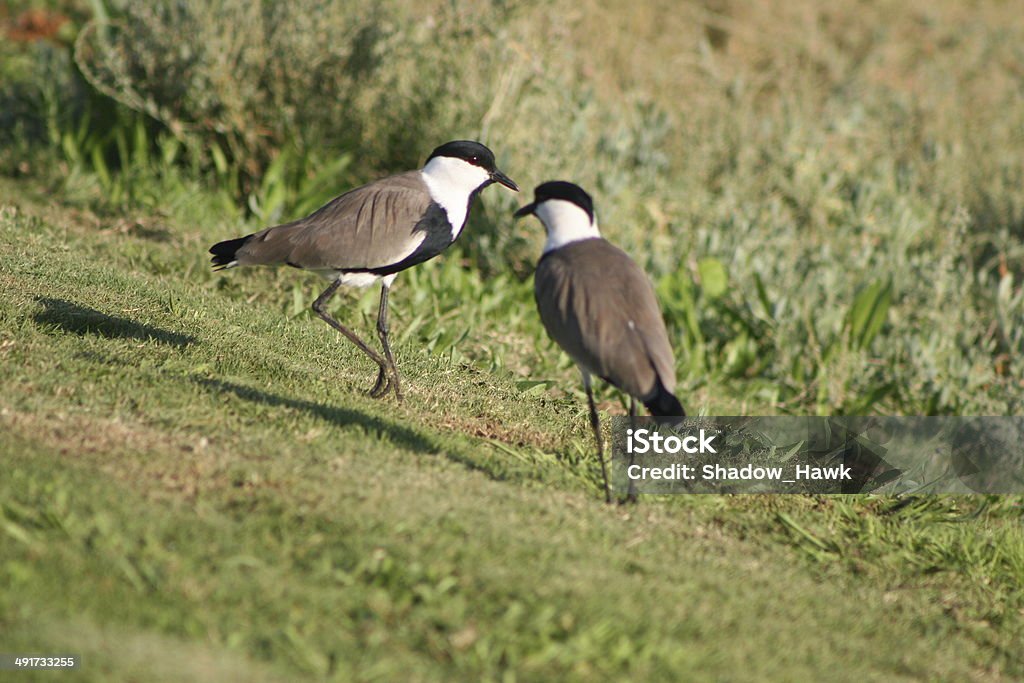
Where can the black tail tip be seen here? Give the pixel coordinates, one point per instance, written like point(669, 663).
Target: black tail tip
point(224, 252)
point(665, 404)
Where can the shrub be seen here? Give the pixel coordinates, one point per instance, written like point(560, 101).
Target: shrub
point(319, 76)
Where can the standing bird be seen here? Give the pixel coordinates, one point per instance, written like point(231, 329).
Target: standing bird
point(374, 232)
point(598, 305)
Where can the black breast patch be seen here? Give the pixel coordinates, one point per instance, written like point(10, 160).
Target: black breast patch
point(439, 237)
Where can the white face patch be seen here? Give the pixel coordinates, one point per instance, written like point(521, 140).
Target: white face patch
point(450, 182)
point(565, 222)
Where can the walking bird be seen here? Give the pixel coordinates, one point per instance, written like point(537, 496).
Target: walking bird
point(374, 232)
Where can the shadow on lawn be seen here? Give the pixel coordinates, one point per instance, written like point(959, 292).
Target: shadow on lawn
point(77, 319)
point(403, 436)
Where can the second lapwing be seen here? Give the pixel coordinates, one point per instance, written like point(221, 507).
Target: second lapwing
point(600, 307)
point(372, 233)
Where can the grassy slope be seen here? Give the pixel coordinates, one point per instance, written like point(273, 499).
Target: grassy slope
point(196, 486)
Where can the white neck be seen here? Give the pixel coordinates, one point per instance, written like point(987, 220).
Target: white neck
point(451, 181)
point(565, 223)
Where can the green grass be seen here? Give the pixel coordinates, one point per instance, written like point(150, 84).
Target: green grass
point(829, 198)
point(194, 485)
point(196, 488)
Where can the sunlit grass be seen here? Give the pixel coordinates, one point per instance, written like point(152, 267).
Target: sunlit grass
point(828, 197)
point(193, 474)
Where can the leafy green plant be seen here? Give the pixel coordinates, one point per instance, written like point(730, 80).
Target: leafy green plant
point(868, 313)
point(310, 75)
point(285, 191)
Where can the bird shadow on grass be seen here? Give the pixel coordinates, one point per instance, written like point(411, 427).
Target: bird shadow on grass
point(78, 319)
point(402, 436)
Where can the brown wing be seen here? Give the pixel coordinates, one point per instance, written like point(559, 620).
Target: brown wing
point(601, 308)
point(369, 227)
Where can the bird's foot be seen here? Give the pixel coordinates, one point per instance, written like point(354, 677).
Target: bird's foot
point(382, 385)
point(631, 497)
point(386, 381)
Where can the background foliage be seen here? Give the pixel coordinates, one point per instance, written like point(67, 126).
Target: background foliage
point(828, 197)
point(768, 165)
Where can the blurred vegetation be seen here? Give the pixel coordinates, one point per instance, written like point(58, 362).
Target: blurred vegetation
point(830, 197)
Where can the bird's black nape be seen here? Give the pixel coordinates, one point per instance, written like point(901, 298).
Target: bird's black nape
point(566, 191)
point(468, 150)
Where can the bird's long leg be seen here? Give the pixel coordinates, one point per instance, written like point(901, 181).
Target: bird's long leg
point(320, 308)
point(382, 332)
point(595, 424)
point(384, 376)
point(631, 496)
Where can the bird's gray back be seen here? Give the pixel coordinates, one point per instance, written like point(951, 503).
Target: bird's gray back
point(599, 306)
point(367, 228)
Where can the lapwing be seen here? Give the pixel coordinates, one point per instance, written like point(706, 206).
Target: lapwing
point(600, 307)
point(373, 232)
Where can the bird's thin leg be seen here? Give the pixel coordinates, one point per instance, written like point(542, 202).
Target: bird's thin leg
point(631, 496)
point(595, 424)
point(383, 377)
point(382, 332)
point(320, 308)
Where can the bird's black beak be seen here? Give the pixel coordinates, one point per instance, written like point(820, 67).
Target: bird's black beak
point(525, 210)
point(499, 177)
